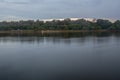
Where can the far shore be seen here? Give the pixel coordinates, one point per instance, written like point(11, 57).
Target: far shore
point(55, 31)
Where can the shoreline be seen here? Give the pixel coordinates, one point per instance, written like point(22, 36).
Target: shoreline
point(56, 31)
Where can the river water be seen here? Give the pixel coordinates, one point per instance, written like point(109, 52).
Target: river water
point(60, 56)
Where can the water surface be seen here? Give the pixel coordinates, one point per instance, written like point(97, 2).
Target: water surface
point(60, 56)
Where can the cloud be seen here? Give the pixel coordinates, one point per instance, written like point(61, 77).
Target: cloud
point(36, 9)
point(11, 18)
point(20, 1)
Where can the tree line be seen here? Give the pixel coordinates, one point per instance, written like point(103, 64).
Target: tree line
point(66, 24)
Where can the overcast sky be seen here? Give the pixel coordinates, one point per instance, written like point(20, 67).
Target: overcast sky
point(44, 9)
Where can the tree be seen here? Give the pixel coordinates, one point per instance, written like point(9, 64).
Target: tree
point(66, 24)
point(105, 24)
point(116, 25)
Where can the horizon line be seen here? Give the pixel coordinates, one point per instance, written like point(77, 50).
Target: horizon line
point(61, 19)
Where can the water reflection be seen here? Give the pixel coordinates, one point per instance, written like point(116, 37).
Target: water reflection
point(60, 56)
point(62, 34)
point(55, 37)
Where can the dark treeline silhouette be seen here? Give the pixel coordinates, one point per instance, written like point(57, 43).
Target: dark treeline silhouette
point(66, 24)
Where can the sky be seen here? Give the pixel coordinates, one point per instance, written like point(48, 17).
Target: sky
point(46, 9)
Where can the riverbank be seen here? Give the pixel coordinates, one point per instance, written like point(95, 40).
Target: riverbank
point(55, 31)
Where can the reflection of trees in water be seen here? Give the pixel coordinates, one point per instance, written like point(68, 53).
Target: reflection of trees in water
point(78, 37)
point(61, 34)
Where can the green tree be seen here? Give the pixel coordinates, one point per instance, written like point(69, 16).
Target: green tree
point(104, 24)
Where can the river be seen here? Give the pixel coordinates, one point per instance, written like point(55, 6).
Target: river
point(60, 56)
